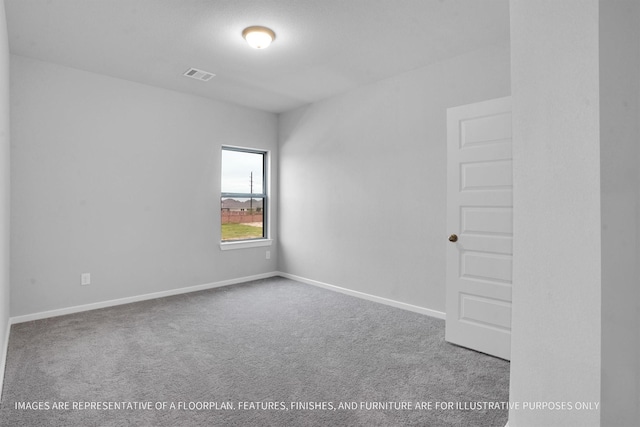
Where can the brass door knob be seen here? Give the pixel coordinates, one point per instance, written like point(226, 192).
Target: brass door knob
point(453, 238)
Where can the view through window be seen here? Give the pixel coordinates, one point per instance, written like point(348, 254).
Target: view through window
point(243, 198)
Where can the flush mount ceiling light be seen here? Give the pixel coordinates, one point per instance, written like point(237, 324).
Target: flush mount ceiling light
point(258, 37)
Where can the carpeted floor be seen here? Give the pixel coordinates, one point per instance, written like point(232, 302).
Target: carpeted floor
point(291, 352)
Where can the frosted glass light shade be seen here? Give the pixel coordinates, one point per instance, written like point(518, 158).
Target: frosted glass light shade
point(258, 37)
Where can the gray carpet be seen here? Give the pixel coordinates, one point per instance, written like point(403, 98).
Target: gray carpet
point(272, 340)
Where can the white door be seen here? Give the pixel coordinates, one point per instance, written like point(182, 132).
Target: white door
point(480, 225)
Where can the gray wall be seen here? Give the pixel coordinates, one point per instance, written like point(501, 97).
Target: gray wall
point(620, 185)
point(363, 179)
point(555, 346)
point(120, 180)
point(4, 185)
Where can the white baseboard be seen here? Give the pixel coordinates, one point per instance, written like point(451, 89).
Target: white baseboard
point(369, 297)
point(3, 356)
point(110, 303)
point(137, 298)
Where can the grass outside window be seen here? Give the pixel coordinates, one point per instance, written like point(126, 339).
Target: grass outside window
point(240, 232)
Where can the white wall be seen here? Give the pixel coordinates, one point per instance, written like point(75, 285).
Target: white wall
point(363, 179)
point(620, 184)
point(4, 187)
point(120, 180)
point(556, 271)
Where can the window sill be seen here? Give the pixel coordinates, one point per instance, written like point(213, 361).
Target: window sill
point(226, 246)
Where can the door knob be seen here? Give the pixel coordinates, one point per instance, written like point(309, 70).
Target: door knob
point(453, 238)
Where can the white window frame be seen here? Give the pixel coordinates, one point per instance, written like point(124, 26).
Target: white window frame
point(266, 203)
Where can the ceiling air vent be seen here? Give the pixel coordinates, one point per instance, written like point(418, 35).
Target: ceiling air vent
point(194, 73)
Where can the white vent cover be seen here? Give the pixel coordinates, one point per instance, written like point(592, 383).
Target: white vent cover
point(194, 73)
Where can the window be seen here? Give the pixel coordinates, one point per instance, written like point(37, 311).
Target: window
point(243, 201)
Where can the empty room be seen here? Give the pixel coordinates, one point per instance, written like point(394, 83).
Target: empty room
point(297, 212)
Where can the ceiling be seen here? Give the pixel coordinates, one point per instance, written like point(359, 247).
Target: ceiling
point(322, 47)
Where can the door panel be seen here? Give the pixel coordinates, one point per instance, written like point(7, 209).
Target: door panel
point(480, 213)
point(486, 220)
point(485, 129)
point(486, 175)
point(485, 311)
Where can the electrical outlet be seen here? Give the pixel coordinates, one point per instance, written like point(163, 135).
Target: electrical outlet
point(85, 279)
point(268, 255)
